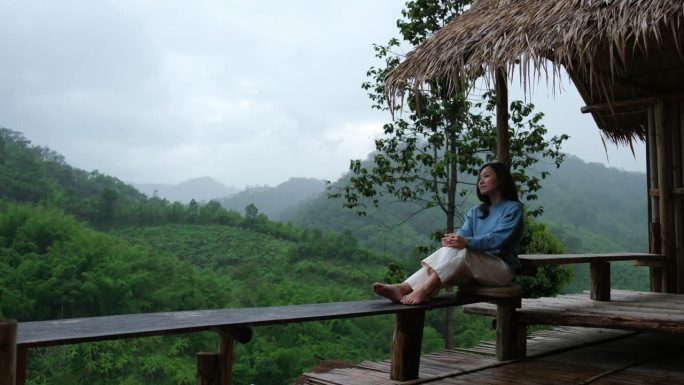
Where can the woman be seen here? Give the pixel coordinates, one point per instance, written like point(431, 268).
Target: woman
point(483, 251)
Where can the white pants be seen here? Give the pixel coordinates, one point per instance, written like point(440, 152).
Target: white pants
point(463, 267)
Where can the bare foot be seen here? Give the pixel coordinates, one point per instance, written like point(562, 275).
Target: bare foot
point(416, 297)
point(392, 292)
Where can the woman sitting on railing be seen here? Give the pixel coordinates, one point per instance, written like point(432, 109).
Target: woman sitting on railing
point(484, 251)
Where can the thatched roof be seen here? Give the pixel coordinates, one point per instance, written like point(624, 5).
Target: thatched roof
point(613, 50)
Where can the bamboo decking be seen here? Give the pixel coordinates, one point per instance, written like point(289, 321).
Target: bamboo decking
point(628, 310)
point(563, 355)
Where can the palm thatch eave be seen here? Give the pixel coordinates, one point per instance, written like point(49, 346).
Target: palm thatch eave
point(613, 50)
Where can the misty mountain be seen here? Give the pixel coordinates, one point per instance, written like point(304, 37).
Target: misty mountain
point(274, 201)
point(200, 189)
point(593, 207)
point(590, 207)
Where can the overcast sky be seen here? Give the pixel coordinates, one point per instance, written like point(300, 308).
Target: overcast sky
point(248, 92)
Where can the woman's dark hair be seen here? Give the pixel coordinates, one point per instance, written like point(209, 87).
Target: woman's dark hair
point(506, 185)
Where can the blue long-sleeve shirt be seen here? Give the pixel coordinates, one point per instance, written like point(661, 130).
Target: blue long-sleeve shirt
point(498, 234)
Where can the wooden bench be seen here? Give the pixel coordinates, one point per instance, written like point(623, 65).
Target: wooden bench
point(599, 266)
point(629, 310)
point(235, 325)
point(572, 310)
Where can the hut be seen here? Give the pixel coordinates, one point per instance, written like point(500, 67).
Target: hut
point(624, 56)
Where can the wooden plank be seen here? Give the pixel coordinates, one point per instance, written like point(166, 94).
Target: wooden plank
point(612, 312)
point(628, 310)
point(637, 102)
point(559, 259)
point(563, 355)
point(553, 317)
point(77, 330)
point(512, 290)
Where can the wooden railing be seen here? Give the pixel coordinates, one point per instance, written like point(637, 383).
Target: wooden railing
point(234, 325)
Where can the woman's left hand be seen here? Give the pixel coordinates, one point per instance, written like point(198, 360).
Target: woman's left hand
point(454, 240)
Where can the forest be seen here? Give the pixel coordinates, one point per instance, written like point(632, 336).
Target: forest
point(77, 244)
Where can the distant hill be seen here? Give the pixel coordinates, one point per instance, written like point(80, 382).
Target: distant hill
point(593, 207)
point(36, 174)
point(590, 207)
point(199, 189)
point(274, 201)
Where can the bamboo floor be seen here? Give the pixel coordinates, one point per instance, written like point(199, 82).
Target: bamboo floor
point(563, 355)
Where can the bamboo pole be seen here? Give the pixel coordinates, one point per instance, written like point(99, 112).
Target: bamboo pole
point(665, 204)
point(502, 139)
point(678, 235)
point(654, 247)
point(8, 352)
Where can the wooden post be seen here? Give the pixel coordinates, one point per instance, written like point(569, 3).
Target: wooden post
point(677, 182)
point(207, 364)
point(502, 139)
point(662, 144)
point(657, 273)
point(8, 352)
point(520, 348)
point(406, 343)
point(506, 342)
point(22, 361)
point(227, 338)
point(600, 281)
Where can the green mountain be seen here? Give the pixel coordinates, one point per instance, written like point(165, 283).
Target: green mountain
point(76, 243)
point(62, 259)
point(37, 174)
point(593, 208)
point(590, 207)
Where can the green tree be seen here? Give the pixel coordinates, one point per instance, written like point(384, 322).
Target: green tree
point(251, 212)
point(444, 135)
point(549, 280)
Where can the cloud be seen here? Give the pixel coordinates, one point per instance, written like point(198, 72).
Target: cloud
point(248, 92)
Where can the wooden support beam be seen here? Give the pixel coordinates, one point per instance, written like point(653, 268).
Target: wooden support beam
point(600, 281)
point(502, 139)
point(676, 126)
point(22, 362)
point(654, 246)
point(664, 184)
point(507, 344)
point(208, 368)
point(638, 102)
point(406, 344)
point(8, 352)
point(227, 339)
